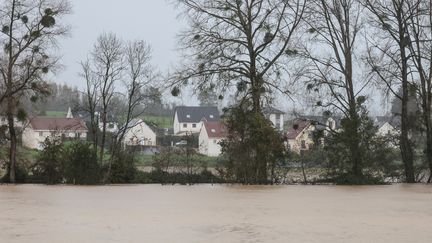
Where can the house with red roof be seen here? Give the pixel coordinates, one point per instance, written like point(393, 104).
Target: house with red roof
point(300, 136)
point(210, 136)
point(41, 128)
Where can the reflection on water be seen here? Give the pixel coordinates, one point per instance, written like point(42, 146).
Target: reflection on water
point(153, 213)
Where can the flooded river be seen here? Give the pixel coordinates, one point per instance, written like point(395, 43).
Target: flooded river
point(205, 213)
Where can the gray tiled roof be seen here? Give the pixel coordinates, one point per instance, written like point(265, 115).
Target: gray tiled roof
point(188, 114)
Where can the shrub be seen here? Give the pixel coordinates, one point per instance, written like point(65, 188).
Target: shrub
point(253, 148)
point(49, 166)
point(123, 169)
point(81, 165)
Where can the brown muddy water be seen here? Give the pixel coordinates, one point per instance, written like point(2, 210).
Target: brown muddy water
point(205, 213)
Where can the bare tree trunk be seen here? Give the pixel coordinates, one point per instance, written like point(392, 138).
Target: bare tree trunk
point(10, 102)
point(405, 143)
point(429, 149)
point(102, 145)
point(13, 141)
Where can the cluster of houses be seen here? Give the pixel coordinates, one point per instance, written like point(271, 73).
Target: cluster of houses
point(309, 131)
point(204, 123)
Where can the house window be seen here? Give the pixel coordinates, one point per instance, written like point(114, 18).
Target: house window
point(184, 125)
point(194, 125)
point(215, 141)
point(303, 144)
point(40, 134)
point(78, 135)
point(3, 119)
point(278, 116)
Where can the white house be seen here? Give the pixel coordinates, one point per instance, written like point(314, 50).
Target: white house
point(300, 136)
point(139, 134)
point(275, 116)
point(18, 124)
point(387, 125)
point(39, 129)
point(211, 134)
point(189, 119)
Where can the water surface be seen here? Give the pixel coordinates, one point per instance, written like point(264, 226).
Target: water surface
point(205, 213)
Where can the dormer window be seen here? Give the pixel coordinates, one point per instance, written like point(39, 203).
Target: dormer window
point(188, 116)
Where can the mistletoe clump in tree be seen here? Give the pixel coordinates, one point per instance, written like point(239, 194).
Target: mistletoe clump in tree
point(28, 37)
point(242, 44)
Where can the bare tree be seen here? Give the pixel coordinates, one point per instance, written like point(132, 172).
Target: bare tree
point(389, 57)
point(29, 32)
point(420, 32)
point(239, 43)
point(91, 101)
point(140, 76)
point(334, 27)
point(103, 70)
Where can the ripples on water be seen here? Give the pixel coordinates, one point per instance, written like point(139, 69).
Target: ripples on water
point(153, 213)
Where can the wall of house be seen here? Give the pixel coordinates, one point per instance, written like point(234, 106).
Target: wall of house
point(31, 139)
point(186, 127)
point(214, 148)
point(111, 127)
point(277, 123)
point(141, 134)
point(387, 130)
point(176, 124)
point(34, 139)
point(203, 142)
point(303, 142)
point(209, 146)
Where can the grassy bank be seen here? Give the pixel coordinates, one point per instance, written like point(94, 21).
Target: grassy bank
point(159, 121)
point(147, 160)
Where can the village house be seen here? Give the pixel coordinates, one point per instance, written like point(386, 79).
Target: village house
point(39, 129)
point(139, 134)
point(387, 125)
point(211, 134)
point(300, 136)
point(189, 119)
point(275, 116)
point(307, 131)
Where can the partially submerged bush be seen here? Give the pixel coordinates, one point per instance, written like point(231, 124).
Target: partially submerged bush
point(123, 169)
point(81, 167)
point(49, 167)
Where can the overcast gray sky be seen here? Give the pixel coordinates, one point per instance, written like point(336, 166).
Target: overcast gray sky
point(154, 21)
